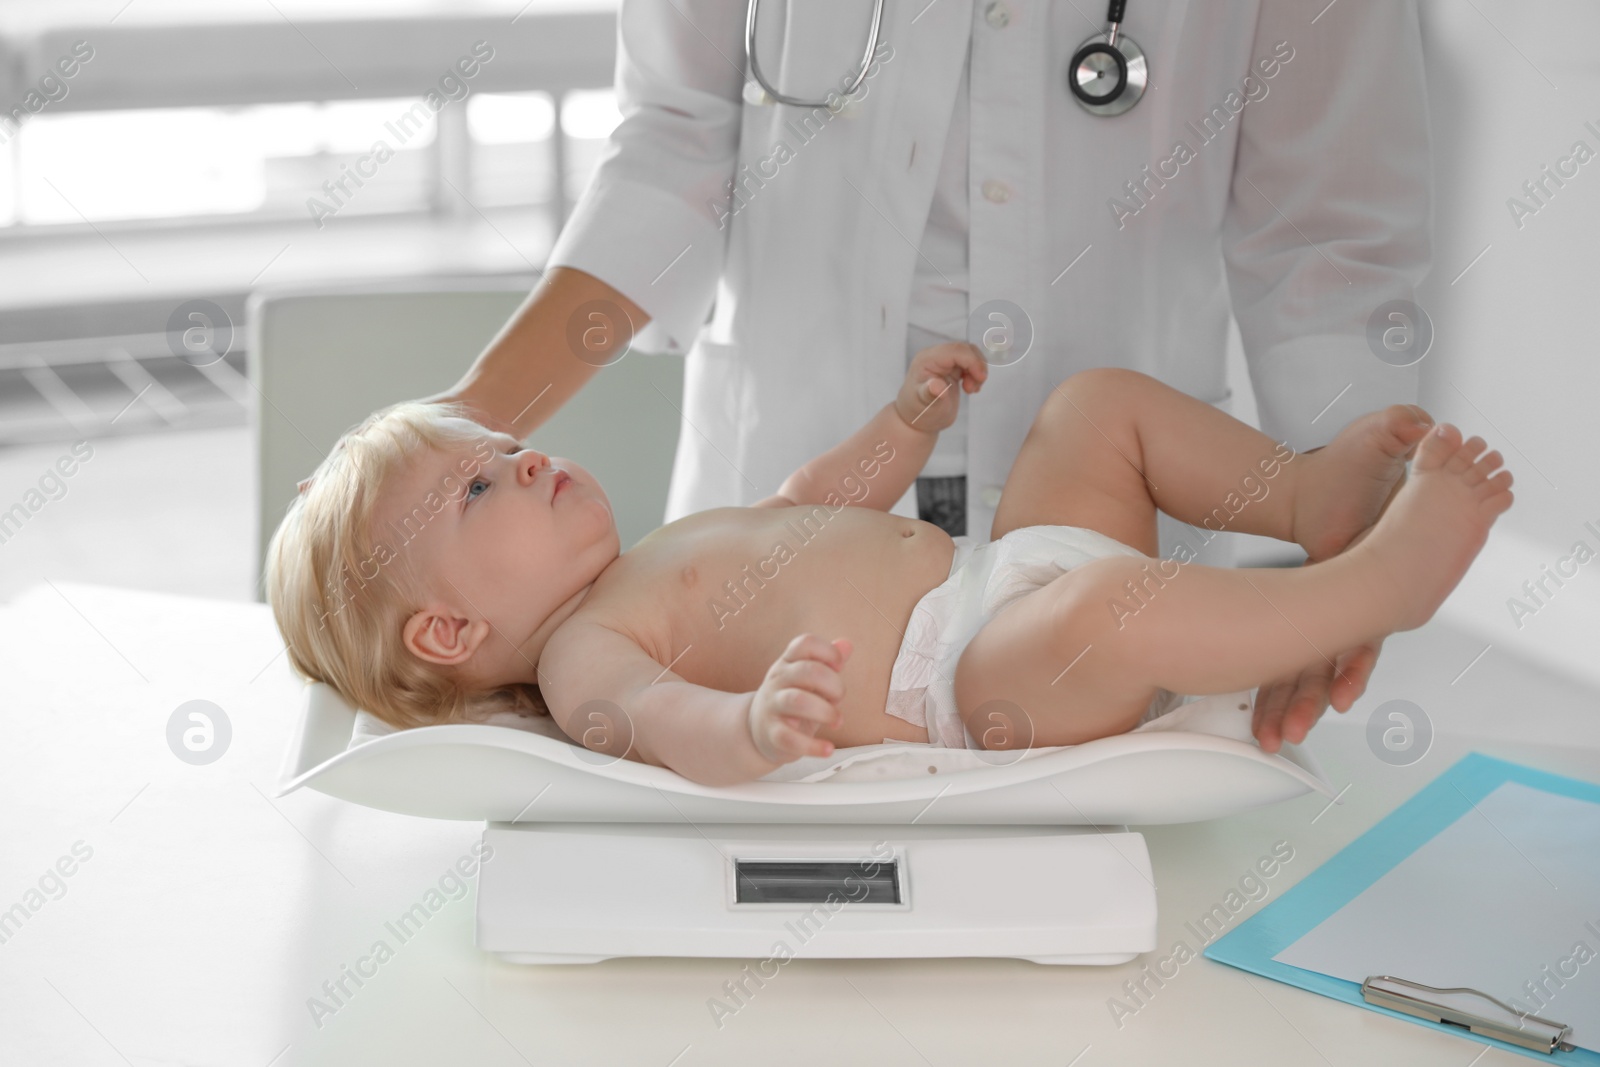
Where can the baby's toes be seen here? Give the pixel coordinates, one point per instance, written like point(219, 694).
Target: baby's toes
point(1494, 495)
point(1462, 460)
point(1437, 447)
point(1405, 424)
point(1483, 468)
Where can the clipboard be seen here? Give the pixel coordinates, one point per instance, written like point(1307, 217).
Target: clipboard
point(1437, 807)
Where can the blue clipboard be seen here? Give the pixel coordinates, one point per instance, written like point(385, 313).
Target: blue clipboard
point(1354, 868)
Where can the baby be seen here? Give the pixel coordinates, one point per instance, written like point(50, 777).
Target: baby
point(432, 569)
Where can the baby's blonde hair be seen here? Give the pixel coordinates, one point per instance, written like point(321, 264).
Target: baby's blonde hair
point(342, 626)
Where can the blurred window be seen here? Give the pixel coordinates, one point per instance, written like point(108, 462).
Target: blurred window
point(289, 159)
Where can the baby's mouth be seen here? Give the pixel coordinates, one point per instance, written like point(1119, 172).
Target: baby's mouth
point(561, 479)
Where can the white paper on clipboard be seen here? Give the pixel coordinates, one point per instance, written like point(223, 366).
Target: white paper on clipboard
point(1505, 900)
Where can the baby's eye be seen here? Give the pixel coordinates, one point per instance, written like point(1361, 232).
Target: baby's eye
point(473, 484)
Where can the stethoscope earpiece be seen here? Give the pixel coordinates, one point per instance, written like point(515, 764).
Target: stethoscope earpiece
point(1108, 73)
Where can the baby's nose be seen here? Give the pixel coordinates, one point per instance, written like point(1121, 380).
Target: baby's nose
point(529, 464)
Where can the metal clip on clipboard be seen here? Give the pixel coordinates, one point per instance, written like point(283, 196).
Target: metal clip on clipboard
point(1478, 1012)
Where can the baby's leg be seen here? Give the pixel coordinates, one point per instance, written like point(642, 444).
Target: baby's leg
point(1110, 446)
point(1082, 656)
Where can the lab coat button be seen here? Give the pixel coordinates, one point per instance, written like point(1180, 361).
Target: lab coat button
point(990, 496)
point(754, 95)
point(997, 16)
point(996, 192)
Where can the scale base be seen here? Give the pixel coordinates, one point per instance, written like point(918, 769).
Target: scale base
point(564, 893)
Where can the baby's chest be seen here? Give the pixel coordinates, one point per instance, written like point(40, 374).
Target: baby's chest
point(723, 619)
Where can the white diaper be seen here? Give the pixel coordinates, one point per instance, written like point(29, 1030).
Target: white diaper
point(984, 578)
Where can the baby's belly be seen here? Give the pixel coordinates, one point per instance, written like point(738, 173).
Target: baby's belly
point(860, 585)
point(874, 619)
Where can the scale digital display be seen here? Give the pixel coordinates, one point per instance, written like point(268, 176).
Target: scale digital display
point(813, 881)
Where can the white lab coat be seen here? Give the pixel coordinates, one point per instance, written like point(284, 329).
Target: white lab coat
point(1309, 207)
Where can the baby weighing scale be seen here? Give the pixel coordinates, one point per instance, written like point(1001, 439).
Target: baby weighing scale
point(882, 851)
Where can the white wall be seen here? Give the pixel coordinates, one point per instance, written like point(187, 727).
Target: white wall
point(1516, 356)
point(1511, 87)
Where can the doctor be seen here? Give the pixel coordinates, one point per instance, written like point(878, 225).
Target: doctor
point(1275, 165)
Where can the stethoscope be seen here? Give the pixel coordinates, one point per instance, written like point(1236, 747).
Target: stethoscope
point(772, 94)
point(1107, 74)
point(1108, 71)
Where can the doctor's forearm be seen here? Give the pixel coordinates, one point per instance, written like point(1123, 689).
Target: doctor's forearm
point(542, 356)
point(872, 469)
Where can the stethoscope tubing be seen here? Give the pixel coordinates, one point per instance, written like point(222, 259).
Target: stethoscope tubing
point(1109, 104)
point(772, 92)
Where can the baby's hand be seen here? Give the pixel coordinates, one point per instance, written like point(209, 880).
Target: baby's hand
point(926, 401)
point(799, 695)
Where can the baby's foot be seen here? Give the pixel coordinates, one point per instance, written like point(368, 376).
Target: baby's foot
point(1437, 523)
point(1348, 482)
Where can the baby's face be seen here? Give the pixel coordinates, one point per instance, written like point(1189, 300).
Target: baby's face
point(519, 534)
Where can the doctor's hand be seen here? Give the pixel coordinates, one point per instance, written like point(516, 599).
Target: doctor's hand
point(476, 410)
point(1288, 708)
point(799, 696)
point(927, 400)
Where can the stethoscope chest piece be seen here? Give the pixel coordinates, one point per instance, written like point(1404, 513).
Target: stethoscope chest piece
point(1108, 73)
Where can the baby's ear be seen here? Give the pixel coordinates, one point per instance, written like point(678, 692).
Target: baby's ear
point(438, 635)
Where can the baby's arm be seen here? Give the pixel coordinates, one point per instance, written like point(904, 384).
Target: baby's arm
point(876, 466)
point(609, 695)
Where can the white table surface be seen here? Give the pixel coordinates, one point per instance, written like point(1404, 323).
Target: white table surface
point(209, 914)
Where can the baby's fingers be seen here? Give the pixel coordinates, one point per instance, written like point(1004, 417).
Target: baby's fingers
point(794, 743)
point(807, 709)
point(819, 747)
point(812, 647)
point(789, 738)
point(974, 366)
point(934, 388)
point(956, 359)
